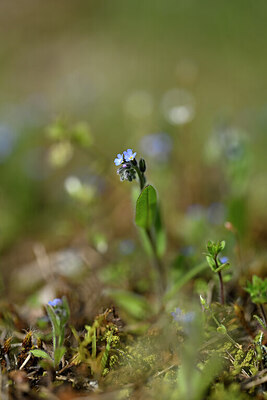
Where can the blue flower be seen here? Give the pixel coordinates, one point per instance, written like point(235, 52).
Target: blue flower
point(181, 317)
point(223, 260)
point(129, 155)
point(119, 159)
point(157, 146)
point(55, 303)
point(216, 213)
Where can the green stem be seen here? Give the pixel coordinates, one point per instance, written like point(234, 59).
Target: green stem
point(221, 287)
point(221, 281)
point(226, 334)
point(156, 259)
point(157, 263)
point(141, 176)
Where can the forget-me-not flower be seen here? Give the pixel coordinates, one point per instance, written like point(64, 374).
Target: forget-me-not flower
point(157, 146)
point(179, 316)
point(55, 303)
point(119, 160)
point(223, 260)
point(129, 155)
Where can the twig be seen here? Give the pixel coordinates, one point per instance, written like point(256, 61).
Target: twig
point(25, 362)
point(256, 381)
point(164, 371)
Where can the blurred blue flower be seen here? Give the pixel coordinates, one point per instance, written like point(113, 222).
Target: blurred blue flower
point(129, 155)
point(119, 159)
point(187, 251)
point(216, 213)
point(157, 145)
point(224, 259)
point(7, 141)
point(231, 140)
point(179, 316)
point(126, 246)
point(55, 303)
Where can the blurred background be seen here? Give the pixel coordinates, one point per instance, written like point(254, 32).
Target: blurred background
point(183, 83)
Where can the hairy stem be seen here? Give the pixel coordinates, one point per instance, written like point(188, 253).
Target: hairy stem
point(141, 176)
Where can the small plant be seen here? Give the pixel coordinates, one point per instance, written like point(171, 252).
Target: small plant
point(258, 293)
point(220, 327)
point(58, 312)
point(216, 263)
point(147, 216)
point(98, 347)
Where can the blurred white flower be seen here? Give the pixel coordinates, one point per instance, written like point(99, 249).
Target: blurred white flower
point(178, 106)
point(157, 146)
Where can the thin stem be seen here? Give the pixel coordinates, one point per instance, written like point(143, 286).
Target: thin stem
point(156, 259)
point(157, 262)
point(226, 334)
point(142, 179)
point(221, 282)
point(221, 287)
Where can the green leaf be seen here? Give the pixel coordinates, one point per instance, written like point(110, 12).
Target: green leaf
point(184, 279)
point(145, 242)
point(224, 266)
point(54, 320)
point(146, 207)
point(135, 305)
point(222, 245)
point(211, 262)
point(59, 353)
point(260, 321)
point(210, 247)
point(104, 358)
point(41, 354)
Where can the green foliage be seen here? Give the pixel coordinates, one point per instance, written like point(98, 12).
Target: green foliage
point(59, 318)
point(78, 133)
point(94, 349)
point(160, 234)
point(146, 208)
point(257, 290)
point(135, 305)
point(232, 392)
point(214, 250)
point(41, 354)
point(65, 137)
point(58, 354)
point(185, 278)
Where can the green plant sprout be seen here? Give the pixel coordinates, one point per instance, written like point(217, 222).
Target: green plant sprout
point(216, 263)
point(258, 293)
point(147, 216)
point(59, 313)
point(101, 335)
point(220, 327)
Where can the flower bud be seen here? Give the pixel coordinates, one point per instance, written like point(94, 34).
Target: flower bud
point(142, 165)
